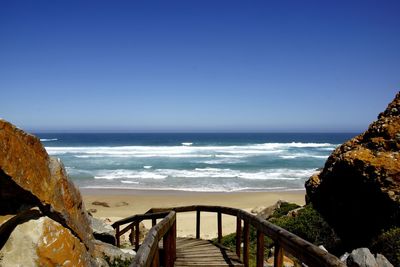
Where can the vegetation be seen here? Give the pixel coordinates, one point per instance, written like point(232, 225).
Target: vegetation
point(284, 209)
point(117, 262)
point(309, 225)
point(230, 242)
point(388, 244)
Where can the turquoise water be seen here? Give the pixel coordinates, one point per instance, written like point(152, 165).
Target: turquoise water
point(192, 162)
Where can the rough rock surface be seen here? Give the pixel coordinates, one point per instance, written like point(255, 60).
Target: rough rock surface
point(382, 261)
point(358, 191)
point(29, 177)
point(112, 252)
point(44, 242)
point(361, 257)
point(102, 231)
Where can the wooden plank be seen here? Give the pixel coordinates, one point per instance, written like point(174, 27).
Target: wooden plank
point(238, 235)
point(169, 245)
point(246, 234)
point(195, 252)
point(219, 215)
point(260, 249)
point(278, 256)
point(198, 224)
point(137, 225)
point(299, 248)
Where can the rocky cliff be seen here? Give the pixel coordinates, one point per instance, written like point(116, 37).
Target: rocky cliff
point(46, 223)
point(358, 190)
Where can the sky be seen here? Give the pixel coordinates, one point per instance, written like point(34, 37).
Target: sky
point(198, 65)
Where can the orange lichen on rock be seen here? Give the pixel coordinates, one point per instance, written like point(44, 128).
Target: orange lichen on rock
point(358, 191)
point(59, 247)
point(24, 160)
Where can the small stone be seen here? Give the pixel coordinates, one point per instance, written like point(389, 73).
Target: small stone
point(121, 204)
point(99, 203)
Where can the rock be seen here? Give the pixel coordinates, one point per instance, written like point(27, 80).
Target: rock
point(344, 257)
point(258, 209)
point(113, 252)
point(267, 212)
point(121, 204)
point(99, 203)
point(51, 226)
point(44, 242)
point(382, 261)
point(361, 257)
point(102, 231)
point(30, 178)
point(358, 191)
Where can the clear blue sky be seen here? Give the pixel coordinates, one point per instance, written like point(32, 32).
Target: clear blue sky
point(198, 65)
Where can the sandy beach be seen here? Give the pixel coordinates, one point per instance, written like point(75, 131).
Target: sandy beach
point(123, 203)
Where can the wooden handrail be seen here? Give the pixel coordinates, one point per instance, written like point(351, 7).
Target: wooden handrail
point(148, 253)
point(284, 241)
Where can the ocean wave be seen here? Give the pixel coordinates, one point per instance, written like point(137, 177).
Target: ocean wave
point(48, 139)
point(214, 189)
point(269, 174)
point(127, 174)
point(129, 182)
point(183, 151)
point(187, 144)
point(303, 155)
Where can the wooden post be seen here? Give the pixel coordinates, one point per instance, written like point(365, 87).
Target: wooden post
point(198, 224)
point(132, 235)
point(246, 234)
point(156, 259)
point(137, 235)
point(278, 256)
point(260, 249)
point(169, 244)
point(117, 236)
point(238, 236)
point(219, 227)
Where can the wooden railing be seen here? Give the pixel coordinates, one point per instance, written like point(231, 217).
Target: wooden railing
point(284, 241)
point(148, 252)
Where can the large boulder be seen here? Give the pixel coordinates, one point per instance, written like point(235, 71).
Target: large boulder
point(358, 190)
point(39, 202)
point(44, 242)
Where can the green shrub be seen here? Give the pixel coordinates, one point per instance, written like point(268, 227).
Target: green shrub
point(284, 209)
point(309, 225)
point(388, 244)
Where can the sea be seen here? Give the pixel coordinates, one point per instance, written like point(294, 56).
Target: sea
point(202, 162)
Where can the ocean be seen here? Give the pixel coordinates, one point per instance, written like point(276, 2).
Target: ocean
point(203, 162)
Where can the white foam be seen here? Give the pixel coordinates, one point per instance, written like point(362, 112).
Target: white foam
point(187, 144)
point(268, 174)
point(129, 182)
point(127, 174)
point(185, 151)
point(48, 139)
point(147, 167)
point(216, 189)
point(303, 155)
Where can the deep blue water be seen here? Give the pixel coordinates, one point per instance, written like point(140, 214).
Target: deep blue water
point(192, 161)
